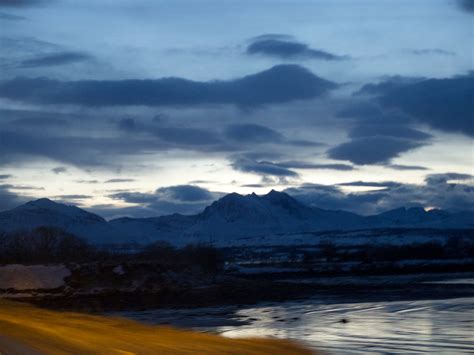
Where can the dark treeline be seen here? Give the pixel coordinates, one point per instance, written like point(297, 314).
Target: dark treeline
point(454, 248)
point(47, 245)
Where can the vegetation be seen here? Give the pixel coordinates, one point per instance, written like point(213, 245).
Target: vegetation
point(46, 245)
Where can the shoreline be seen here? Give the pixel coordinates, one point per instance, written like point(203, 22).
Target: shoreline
point(25, 329)
point(254, 291)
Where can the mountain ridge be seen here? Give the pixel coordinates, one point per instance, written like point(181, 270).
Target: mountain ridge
point(233, 216)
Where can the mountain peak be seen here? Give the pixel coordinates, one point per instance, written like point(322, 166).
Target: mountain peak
point(45, 205)
point(41, 202)
point(277, 196)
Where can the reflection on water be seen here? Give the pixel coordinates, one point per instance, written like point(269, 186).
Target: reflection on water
point(341, 326)
point(434, 326)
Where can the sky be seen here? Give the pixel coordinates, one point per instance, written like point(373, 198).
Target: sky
point(144, 108)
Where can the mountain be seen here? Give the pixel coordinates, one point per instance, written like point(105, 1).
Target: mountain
point(147, 230)
point(243, 218)
point(236, 215)
point(418, 217)
point(44, 212)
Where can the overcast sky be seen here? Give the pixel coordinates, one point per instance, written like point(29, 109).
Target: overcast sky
point(141, 108)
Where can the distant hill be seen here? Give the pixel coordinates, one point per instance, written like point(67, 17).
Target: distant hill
point(246, 218)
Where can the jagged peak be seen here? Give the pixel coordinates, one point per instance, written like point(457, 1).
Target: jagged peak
point(276, 193)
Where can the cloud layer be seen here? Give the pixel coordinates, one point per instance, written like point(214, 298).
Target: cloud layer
point(438, 191)
point(284, 47)
point(184, 199)
point(53, 59)
point(280, 84)
point(444, 104)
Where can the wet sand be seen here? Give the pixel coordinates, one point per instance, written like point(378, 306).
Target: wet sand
point(28, 330)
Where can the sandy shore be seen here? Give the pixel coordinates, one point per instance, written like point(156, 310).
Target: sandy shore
point(25, 329)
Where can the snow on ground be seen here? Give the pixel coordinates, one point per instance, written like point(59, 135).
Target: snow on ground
point(31, 277)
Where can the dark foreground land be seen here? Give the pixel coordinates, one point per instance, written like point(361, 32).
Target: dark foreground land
point(240, 291)
point(162, 276)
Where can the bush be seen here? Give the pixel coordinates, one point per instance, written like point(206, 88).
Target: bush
point(44, 245)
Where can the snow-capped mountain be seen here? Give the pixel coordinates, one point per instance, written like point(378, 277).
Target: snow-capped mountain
point(44, 212)
point(233, 217)
point(147, 230)
point(236, 215)
point(418, 217)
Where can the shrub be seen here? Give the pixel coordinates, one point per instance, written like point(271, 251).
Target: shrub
point(44, 245)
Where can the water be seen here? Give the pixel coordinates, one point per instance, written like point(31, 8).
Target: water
point(429, 326)
point(443, 326)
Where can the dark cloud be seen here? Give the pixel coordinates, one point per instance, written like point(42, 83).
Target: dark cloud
point(21, 3)
point(303, 143)
point(372, 150)
point(252, 133)
point(368, 119)
point(276, 36)
point(444, 104)
point(306, 165)
point(466, 5)
point(333, 198)
point(377, 136)
point(115, 181)
point(256, 186)
point(53, 59)
point(65, 198)
point(5, 176)
point(371, 184)
point(406, 167)
point(361, 109)
point(176, 136)
point(287, 48)
point(431, 51)
point(10, 17)
point(283, 83)
point(256, 134)
point(388, 84)
point(86, 150)
point(46, 122)
point(435, 179)
point(263, 168)
point(436, 192)
point(24, 187)
point(277, 171)
point(129, 125)
point(370, 129)
point(28, 118)
point(87, 181)
point(186, 193)
point(187, 136)
point(14, 48)
point(186, 199)
point(9, 199)
point(59, 170)
point(76, 150)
